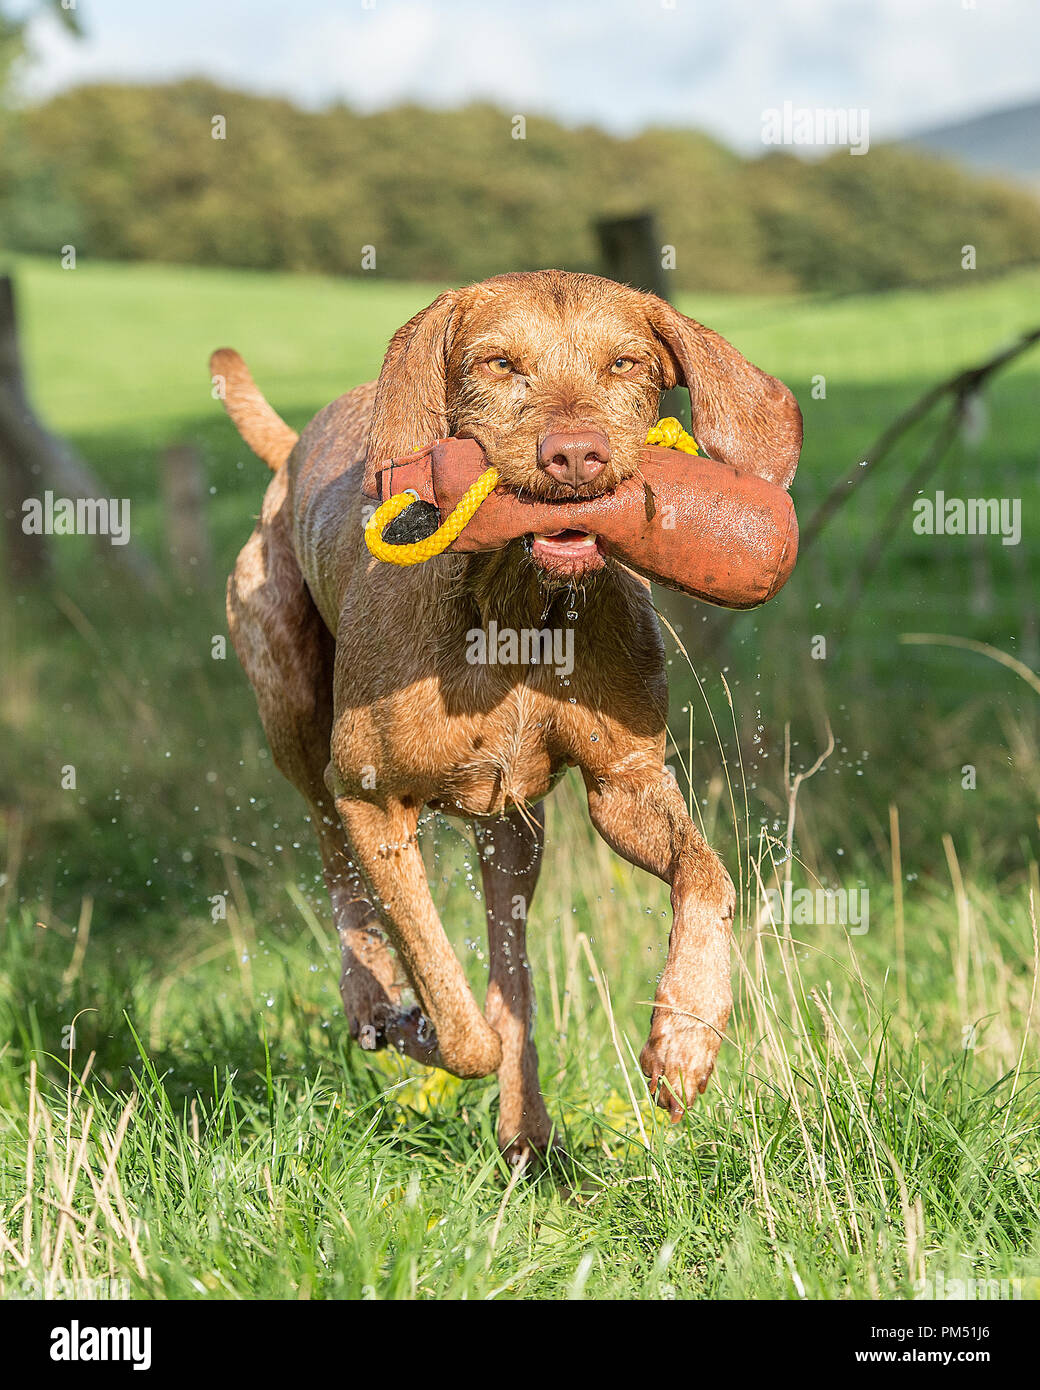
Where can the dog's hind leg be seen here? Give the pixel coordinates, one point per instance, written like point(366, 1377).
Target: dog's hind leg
point(287, 652)
point(385, 841)
point(510, 852)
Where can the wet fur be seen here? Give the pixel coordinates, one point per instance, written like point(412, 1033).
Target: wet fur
point(372, 711)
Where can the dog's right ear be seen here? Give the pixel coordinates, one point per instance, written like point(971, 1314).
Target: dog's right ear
point(410, 408)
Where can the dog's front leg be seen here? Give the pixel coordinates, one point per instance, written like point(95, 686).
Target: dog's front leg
point(386, 848)
point(510, 858)
point(641, 815)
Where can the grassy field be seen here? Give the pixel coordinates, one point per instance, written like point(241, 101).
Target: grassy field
point(181, 1110)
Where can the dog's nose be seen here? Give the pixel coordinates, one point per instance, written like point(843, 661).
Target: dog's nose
point(574, 458)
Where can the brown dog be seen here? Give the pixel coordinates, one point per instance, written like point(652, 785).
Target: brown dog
point(373, 711)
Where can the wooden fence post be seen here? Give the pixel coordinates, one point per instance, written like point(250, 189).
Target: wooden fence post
point(184, 514)
point(34, 460)
point(631, 251)
point(26, 556)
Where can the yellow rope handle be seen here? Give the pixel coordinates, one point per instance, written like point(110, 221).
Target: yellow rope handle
point(415, 552)
point(667, 433)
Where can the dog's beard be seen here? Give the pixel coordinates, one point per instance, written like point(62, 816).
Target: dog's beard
point(508, 585)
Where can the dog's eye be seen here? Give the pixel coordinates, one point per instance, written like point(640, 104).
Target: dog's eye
point(621, 366)
point(499, 366)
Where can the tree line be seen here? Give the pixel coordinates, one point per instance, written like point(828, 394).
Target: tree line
point(190, 172)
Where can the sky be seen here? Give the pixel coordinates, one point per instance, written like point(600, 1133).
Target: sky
point(620, 64)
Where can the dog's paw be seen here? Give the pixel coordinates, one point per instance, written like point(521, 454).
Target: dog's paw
point(407, 1030)
point(678, 1060)
point(410, 1032)
point(369, 994)
point(376, 1023)
point(534, 1144)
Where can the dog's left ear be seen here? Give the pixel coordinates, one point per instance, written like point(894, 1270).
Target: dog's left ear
point(410, 408)
point(740, 414)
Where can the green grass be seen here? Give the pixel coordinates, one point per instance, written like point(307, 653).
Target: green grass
point(874, 1120)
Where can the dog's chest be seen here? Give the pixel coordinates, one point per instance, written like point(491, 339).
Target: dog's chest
point(490, 723)
point(509, 748)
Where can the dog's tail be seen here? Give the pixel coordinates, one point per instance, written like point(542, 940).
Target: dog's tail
point(262, 428)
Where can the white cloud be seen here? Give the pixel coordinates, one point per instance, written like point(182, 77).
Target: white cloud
point(623, 64)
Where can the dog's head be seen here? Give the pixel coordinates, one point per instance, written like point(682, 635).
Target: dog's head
point(558, 377)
